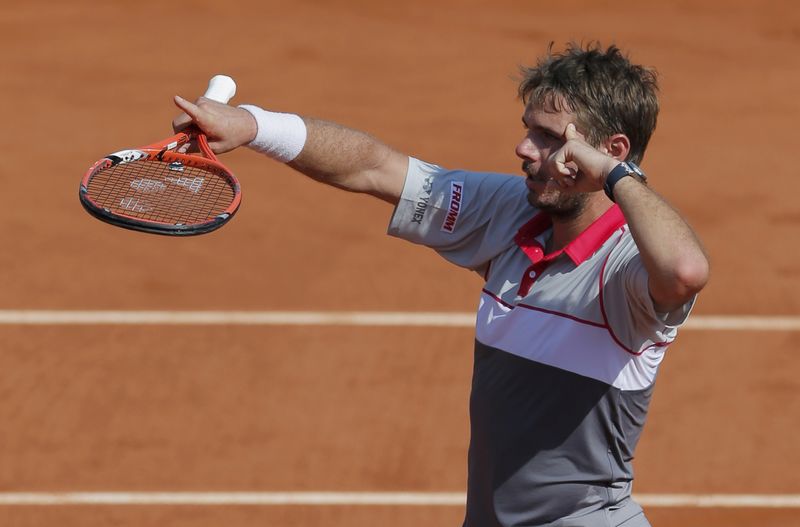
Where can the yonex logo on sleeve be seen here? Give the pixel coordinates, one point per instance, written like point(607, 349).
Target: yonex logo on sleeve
point(456, 195)
point(424, 199)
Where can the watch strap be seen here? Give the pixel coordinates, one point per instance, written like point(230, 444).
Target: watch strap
point(624, 169)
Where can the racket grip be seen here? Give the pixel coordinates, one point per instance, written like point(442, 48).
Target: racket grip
point(221, 88)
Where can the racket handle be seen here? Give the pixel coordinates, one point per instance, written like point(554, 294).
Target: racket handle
point(221, 88)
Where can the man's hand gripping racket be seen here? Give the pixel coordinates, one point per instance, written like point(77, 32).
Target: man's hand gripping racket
point(159, 188)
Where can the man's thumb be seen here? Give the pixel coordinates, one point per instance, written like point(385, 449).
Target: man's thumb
point(571, 132)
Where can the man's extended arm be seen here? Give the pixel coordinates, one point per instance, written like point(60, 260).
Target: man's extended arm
point(351, 160)
point(332, 154)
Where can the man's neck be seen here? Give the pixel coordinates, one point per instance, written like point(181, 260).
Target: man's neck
point(566, 230)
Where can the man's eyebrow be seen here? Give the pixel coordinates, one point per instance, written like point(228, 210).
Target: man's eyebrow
point(551, 132)
point(541, 128)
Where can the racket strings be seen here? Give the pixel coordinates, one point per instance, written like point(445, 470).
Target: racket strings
point(162, 192)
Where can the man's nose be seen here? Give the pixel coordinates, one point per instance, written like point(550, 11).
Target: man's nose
point(527, 150)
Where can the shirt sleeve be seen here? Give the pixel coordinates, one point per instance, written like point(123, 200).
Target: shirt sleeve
point(467, 217)
point(627, 303)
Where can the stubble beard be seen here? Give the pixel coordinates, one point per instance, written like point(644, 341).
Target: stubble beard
point(565, 207)
point(557, 204)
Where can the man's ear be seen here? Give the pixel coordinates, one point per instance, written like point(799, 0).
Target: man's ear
point(618, 146)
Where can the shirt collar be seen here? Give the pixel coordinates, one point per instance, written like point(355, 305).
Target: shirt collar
point(579, 249)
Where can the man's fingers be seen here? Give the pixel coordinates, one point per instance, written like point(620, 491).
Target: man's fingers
point(560, 162)
point(184, 121)
point(181, 123)
point(213, 118)
point(191, 109)
point(565, 170)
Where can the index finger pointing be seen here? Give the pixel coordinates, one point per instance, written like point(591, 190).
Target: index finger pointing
point(191, 114)
point(191, 109)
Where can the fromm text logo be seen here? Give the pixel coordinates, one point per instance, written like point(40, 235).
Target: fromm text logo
point(456, 195)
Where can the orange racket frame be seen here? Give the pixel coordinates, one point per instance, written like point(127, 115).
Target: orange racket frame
point(179, 211)
point(162, 152)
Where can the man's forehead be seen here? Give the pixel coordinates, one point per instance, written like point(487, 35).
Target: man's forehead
point(549, 102)
point(544, 112)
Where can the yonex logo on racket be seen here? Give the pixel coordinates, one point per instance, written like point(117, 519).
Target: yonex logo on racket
point(192, 184)
point(148, 185)
point(135, 205)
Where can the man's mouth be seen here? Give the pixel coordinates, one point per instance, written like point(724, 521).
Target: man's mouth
point(526, 165)
point(531, 175)
point(535, 178)
point(535, 184)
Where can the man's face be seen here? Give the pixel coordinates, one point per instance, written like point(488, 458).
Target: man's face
point(544, 134)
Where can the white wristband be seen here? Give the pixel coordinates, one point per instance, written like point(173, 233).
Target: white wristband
point(280, 136)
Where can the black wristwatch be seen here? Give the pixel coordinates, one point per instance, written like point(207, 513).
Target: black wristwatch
point(620, 171)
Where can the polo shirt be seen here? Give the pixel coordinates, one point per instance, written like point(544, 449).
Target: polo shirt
point(567, 346)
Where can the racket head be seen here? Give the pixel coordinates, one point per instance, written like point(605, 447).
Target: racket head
point(157, 190)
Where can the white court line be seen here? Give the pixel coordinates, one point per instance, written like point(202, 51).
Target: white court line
point(780, 501)
point(255, 318)
point(339, 318)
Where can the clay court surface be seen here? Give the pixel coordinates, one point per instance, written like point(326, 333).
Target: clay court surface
point(231, 408)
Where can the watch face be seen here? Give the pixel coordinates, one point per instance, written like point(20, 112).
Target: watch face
point(632, 168)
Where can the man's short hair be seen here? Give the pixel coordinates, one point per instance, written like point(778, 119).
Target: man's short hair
point(607, 93)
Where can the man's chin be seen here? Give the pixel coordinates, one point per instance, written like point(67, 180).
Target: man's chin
point(561, 207)
point(542, 201)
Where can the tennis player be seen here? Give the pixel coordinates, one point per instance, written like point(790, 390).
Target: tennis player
point(589, 274)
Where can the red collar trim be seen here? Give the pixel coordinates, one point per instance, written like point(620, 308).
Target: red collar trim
point(579, 249)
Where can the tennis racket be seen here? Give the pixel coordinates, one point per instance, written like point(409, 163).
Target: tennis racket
point(156, 189)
